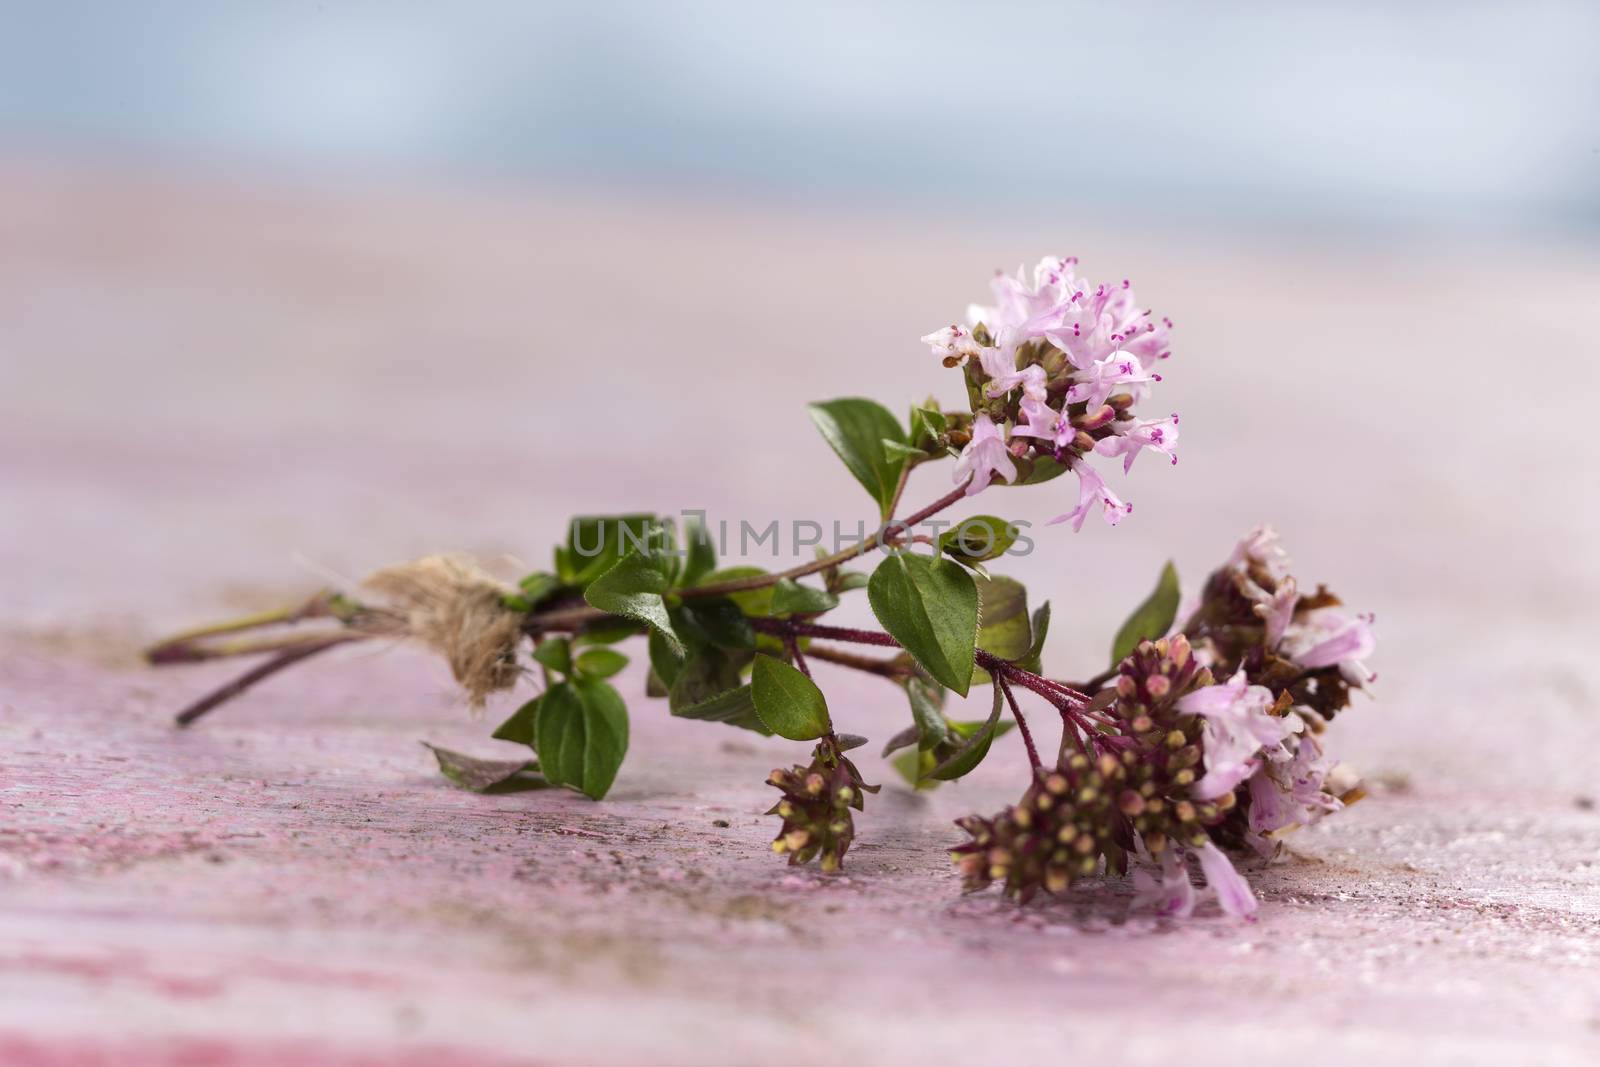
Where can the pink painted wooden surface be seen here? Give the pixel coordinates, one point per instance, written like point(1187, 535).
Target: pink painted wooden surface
point(200, 382)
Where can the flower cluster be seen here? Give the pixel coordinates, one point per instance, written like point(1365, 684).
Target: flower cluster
point(1304, 653)
point(1054, 369)
point(1152, 792)
point(1061, 828)
point(816, 807)
point(1254, 617)
point(1206, 735)
point(1186, 763)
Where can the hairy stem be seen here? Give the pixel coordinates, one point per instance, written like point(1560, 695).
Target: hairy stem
point(1022, 723)
point(886, 668)
point(900, 487)
point(571, 618)
point(1096, 682)
point(287, 658)
point(563, 619)
point(186, 647)
point(792, 646)
point(740, 585)
point(1076, 725)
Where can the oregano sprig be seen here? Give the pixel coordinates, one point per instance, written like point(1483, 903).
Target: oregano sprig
point(1203, 736)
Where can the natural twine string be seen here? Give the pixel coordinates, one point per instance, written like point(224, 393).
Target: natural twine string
point(454, 607)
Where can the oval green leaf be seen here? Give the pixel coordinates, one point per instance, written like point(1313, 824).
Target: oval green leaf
point(931, 607)
point(633, 589)
point(789, 597)
point(979, 538)
point(970, 752)
point(581, 735)
point(856, 428)
point(600, 662)
point(1149, 620)
point(789, 703)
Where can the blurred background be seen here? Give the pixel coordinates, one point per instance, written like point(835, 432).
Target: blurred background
point(290, 290)
point(1470, 118)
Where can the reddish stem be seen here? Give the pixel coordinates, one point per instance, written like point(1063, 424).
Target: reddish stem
point(1066, 700)
point(287, 658)
point(793, 648)
point(890, 528)
point(1022, 724)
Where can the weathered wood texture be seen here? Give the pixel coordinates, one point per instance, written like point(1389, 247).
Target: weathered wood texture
point(201, 384)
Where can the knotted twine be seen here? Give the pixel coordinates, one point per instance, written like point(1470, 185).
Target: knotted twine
point(455, 608)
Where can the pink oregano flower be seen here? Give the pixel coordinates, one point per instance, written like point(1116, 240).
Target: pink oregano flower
point(953, 342)
point(1239, 725)
point(1291, 792)
point(1117, 373)
point(1000, 366)
point(1067, 360)
point(984, 457)
point(1233, 892)
point(1328, 637)
point(1092, 491)
point(1135, 435)
point(1174, 895)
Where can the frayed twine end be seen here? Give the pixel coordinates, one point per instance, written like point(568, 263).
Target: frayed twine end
point(455, 608)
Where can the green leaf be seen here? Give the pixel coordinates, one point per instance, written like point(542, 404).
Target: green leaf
point(554, 653)
point(979, 538)
point(855, 429)
point(520, 727)
point(582, 735)
point(606, 718)
point(488, 776)
point(1041, 627)
point(596, 542)
point(917, 765)
point(558, 734)
point(701, 555)
point(665, 661)
point(899, 452)
point(633, 589)
point(905, 737)
point(756, 603)
point(600, 662)
point(707, 674)
point(849, 581)
point(736, 707)
point(607, 632)
point(1151, 619)
point(788, 702)
point(927, 424)
point(539, 585)
point(711, 687)
point(961, 730)
point(1003, 613)
point(716, 621)
point(970, 752)
point(931, 607)
point(789, 597)
point(930, 722)
point(914, 766)
point(1037, 471)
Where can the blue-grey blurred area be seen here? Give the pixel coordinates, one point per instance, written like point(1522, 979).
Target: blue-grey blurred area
point(1466, 117)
